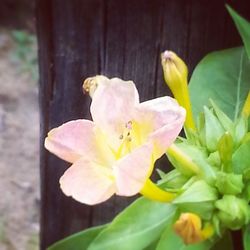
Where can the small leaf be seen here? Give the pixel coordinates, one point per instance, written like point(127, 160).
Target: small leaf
point(243, 27)
point(79, 240)
point(240, 130)
point(213, 130)
point(199, 191)
point(173, 179)
point(203, 209)
point(225, 121)
point(138, 226)
point(241, 158)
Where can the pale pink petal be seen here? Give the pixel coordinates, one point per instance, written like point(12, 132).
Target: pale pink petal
point(88, 182)
point(132, 171)
point(72, 140)
point(164, 137)
point(113, 105)
point(166, 118)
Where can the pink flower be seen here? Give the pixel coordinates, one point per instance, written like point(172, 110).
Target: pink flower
point(114, 153)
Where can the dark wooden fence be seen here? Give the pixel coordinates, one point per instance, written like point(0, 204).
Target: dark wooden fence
point(124, 38)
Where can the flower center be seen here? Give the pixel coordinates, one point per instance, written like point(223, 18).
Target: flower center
point(126, 139)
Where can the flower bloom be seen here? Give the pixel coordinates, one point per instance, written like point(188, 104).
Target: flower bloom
point(114, 153)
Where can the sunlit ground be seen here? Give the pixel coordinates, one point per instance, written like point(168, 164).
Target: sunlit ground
point(19, 146)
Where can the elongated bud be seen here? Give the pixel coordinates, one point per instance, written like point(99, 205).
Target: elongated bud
point(246, 108)
point(175, 75)
point(91, 83)
point(225, 148)
point(189, 228)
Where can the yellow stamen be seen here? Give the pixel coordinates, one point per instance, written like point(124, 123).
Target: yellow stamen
point(175, 75)
point(153, 192)
point(246, 107)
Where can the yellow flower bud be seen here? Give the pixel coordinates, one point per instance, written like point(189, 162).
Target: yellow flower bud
point(246, 108)
point(175, 75)
point(189, 228)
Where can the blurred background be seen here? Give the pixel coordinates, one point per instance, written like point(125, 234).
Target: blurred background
point(19, 127)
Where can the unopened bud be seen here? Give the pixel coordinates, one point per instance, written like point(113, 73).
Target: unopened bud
point(175, 75)
point(91, 83)
point(188, 227)
point(233, 212)
point(225, 148)
point(175, 70)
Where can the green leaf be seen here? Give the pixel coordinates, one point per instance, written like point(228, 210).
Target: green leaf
point(202, 209)
point(246, 237)
point(224, 77)
point(222, 117)
point(199, 191)
point(213, 130)
point(241, 159)
point(136, 227)
point(243, 26)
point(79, 241)
point(240, 130)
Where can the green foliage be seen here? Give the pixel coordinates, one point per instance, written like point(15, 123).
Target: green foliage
point(229, 183)
point(199, 191)
point(25, 53)
point(243, 27)
point(223, 76)
point(78, 241)
point(136, 227)
point(241, 159)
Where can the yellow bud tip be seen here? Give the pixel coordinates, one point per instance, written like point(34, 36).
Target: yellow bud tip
point(246, 107)
point(91, 83)
point(176, 76)
point(174, 63)
point(189, 228)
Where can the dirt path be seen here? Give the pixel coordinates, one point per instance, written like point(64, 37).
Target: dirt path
point(19, 152)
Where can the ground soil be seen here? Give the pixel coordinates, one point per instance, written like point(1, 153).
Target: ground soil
point(19, 152)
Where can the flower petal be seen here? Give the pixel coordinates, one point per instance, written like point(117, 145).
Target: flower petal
point(166, 118)
point(113, 105)
point(132, 171)
point(72, 140)
point(88, 182)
